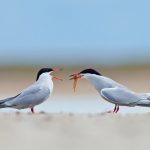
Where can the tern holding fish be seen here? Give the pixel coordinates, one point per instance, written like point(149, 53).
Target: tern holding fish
point(112, 91)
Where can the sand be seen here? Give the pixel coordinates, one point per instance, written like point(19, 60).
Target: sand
point(74, 132)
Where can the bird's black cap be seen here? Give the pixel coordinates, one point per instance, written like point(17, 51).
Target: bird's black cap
point(43, 70)
point(91, 71)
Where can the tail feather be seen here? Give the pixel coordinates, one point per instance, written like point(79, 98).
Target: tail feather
point(3, 106)
point(2, 102)
point(144, 103)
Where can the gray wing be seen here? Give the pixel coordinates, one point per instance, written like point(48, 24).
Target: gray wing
point(145, 101)
point(120, 96)
point(30, 97)
point(8, 99)
point(145, 95)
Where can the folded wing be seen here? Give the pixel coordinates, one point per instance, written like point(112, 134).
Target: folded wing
point(120, 96)
point(30, 97)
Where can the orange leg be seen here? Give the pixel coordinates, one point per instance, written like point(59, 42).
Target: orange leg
point(114, 111)
point(32, 110)
point(117, 109)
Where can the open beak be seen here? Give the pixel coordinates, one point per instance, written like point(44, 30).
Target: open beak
point(75, 78)
point(56, 70)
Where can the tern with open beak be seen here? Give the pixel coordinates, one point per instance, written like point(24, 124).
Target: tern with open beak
point(112, 91)
point(35, 94)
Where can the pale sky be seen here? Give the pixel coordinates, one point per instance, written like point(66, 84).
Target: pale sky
point(74, 31)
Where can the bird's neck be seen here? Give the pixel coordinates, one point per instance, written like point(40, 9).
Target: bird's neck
point(46, 80)
point(97, 81)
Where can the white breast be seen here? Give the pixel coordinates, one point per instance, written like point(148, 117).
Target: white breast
point(46, 80)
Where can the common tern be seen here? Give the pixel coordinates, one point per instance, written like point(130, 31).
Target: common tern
point(111, 90)
point(35, 94)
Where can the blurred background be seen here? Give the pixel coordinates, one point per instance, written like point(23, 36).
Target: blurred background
point(111, 36)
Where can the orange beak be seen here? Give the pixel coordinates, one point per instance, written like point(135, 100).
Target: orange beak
point(56, 70)
point(75, 78)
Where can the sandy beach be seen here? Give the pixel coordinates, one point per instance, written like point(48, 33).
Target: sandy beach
point(75, 132)
point(74, 75)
